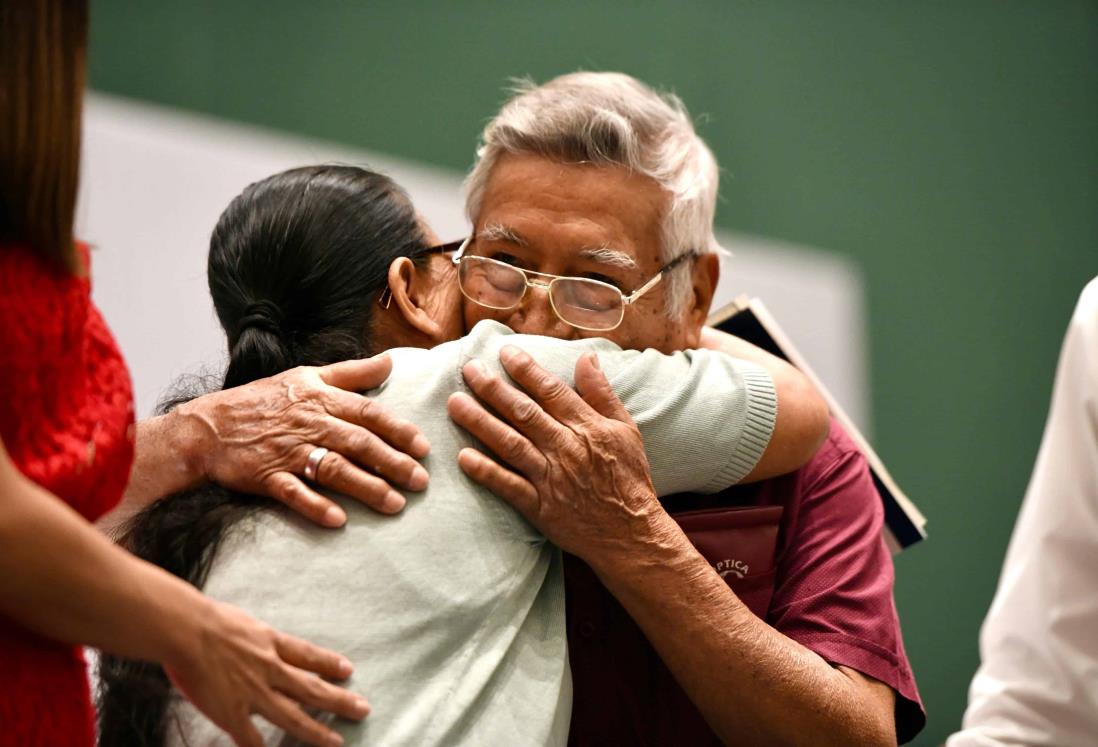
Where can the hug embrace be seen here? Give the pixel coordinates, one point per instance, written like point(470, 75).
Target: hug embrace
point(506, 477)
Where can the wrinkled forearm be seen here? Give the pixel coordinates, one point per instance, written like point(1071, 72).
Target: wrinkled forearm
point(167, 459)
point(752, 684)
point(803, 421)
point(715, 339)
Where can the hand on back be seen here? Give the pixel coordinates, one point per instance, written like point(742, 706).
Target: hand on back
point(575, 464)
point(231, 666)
point(258, 439)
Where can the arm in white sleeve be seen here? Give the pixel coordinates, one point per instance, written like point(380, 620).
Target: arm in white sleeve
point(1038, 678)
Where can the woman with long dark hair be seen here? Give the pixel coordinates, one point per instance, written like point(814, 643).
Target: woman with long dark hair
point(295, 262)
point(66, 447)
point(453, 611)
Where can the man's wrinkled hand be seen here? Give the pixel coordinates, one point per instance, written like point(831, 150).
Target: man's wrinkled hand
point(257, 438)
point(577, 467)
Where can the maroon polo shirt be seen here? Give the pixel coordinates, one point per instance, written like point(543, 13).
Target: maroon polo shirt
point(803, 551)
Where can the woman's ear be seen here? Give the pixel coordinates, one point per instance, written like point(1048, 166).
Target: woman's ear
point(406, 286)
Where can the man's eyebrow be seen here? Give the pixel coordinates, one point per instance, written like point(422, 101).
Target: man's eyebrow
point(500, 232)
point(602, 253)
point(610, 256)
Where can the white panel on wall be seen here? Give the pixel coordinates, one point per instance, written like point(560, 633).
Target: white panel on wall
point(154, 181)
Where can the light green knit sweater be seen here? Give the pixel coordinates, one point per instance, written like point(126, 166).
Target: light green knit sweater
point(453, 611)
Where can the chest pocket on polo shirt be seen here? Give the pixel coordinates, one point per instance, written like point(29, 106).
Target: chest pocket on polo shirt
point(740, 545)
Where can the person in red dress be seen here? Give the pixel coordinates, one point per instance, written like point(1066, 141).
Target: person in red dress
point(66, 449)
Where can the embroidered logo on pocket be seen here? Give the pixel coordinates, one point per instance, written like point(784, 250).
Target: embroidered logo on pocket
point(737, 568)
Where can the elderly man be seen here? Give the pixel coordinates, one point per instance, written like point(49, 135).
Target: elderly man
point(597, 175)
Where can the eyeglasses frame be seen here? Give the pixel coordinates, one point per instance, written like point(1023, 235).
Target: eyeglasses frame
point(627, 300)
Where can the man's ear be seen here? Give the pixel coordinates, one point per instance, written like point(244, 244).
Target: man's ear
point(707, 271)
point(406, 285)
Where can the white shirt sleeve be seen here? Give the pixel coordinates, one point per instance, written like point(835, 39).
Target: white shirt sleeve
point(1038, 680)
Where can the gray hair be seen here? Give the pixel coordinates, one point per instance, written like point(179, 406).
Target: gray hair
point(613, 118)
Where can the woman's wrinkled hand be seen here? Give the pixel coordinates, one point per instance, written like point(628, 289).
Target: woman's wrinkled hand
point(578, 471)
point(231, 666)
point(257, 439)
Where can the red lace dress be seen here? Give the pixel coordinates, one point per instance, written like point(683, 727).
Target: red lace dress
point(66, 417)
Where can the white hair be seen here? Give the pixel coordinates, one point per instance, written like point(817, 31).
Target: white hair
point(613, 119)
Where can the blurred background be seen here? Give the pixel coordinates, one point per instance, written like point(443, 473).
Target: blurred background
point(912, 187)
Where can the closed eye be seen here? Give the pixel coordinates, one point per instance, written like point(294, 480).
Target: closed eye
point(506, 258)
point(603, 279)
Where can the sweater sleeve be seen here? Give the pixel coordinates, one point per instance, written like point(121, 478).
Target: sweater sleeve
point(706, 418)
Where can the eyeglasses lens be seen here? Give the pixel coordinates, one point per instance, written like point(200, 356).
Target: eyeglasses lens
point(587, 304)
point(490, 283)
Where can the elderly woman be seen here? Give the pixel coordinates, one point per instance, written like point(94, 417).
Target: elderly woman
point(454, 611)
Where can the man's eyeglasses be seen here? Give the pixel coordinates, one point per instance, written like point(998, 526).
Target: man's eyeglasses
point(584, 303)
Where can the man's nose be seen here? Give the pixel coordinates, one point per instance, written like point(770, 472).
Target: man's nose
point(535, 316)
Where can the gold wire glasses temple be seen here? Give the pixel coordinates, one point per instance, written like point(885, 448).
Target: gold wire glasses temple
point(386, 297)
point(584, 303)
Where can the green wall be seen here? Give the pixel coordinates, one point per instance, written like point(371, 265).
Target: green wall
point(950, 148)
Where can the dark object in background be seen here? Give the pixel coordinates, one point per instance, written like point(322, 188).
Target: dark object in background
point(748, 319)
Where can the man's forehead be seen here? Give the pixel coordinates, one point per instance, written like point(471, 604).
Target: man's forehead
point(585, 205)
point(603, 252)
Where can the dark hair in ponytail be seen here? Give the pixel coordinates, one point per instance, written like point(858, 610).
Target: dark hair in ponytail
point(296, 262)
